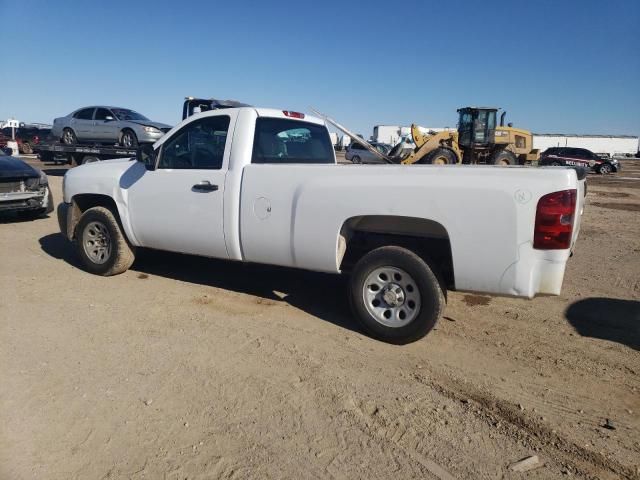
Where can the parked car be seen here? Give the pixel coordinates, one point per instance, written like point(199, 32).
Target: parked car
point(356, 153)
point(262, 186)
point(23, 189)
point(107, 125)
point(27, 137)
point(579, 157)
point(4, 139)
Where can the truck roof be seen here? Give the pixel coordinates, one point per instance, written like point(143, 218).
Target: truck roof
point(288, 114)
point(272, 113)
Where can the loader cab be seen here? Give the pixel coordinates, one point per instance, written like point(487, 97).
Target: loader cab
point(476, 127)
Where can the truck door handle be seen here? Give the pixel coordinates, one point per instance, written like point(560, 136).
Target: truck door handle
point(205, 186)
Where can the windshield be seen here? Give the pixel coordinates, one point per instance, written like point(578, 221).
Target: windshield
point(124, 114)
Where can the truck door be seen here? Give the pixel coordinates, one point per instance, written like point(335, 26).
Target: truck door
point(179, 205)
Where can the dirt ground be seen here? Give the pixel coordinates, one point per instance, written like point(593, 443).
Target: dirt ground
point(190, 368)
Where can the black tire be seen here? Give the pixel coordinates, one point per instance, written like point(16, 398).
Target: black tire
point(439, 156)
point(356, 159)
point(69, 137)
point(128, 139)
point(26, 148)
point(430, 301)
point(112, 261)
point(503, 157)
point(605, 169)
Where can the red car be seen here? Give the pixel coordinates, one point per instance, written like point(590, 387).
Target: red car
point(27, 137)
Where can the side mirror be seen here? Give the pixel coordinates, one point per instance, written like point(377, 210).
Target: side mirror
point(108, 118)
point(146, 155)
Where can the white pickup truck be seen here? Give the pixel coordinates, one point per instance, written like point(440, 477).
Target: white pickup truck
point(262, 185)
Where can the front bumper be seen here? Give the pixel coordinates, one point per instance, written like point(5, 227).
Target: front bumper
point(148, 137)
point(26, 201)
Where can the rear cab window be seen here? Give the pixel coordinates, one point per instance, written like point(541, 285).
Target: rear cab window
point(280, 140)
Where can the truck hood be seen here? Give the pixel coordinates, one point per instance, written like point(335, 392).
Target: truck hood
point(105, 177)
point(11, 167)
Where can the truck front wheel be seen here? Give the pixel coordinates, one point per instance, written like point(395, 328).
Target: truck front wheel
point(395, 295)
point(102, 247)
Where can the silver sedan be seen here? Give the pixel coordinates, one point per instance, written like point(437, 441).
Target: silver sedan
point(358, 154)
point(107, 125)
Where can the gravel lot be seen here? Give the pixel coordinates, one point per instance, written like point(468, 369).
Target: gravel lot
point(185, 367)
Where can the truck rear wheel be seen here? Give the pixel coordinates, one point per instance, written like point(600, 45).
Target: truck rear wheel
point(440, 156)
point(102, 247)
point(395, 295)
point(503, 157)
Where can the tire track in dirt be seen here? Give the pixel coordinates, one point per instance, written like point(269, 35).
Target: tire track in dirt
point(588, 463)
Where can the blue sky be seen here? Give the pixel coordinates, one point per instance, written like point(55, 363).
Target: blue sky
point(569, 66)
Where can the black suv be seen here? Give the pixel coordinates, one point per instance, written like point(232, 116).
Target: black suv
point(580, 157)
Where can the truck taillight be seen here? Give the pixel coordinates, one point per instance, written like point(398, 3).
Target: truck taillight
point(291, 114)
point(554, 220)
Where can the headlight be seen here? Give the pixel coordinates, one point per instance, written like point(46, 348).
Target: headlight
point(36, 183)
point(152, 130)
point(32, 183)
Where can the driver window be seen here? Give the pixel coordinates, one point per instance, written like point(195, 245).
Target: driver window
point(199, 145)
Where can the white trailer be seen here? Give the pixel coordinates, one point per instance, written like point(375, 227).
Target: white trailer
point(389, 134)
point(613, 145)
point(345, 141)
point(334, 139)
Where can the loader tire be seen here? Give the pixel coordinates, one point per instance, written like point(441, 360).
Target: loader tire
point(503, 157)
point(439, 156)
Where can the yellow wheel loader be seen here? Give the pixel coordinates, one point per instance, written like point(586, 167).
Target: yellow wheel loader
point(477, 140)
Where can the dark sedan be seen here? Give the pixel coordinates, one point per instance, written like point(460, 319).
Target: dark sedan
point(23, 189)
point(580, 157)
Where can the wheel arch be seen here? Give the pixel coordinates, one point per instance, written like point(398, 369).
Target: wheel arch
point(84, 201)
point(126, 128)
point(427, 238)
